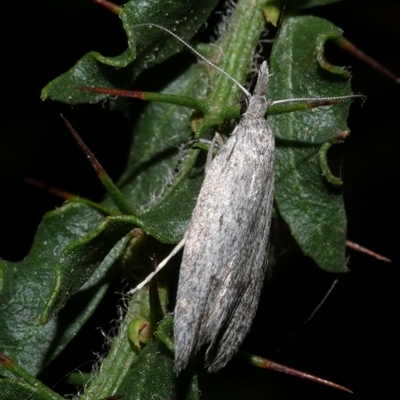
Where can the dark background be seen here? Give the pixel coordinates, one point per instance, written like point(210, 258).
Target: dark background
point(353, 338)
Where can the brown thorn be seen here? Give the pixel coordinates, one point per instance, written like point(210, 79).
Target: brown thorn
point(348, 46)
point(361, 249)
point(89, 155)
point(115, 8)
point(272, 365)
point(114, 92)
point(56, 192)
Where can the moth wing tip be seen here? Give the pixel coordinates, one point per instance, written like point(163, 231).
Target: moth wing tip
point(180, 364)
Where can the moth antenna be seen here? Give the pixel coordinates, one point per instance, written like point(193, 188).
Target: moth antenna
point(321, 99)
point(194, 51)
point(352, 96)
point(310, 317)
point(160, 266)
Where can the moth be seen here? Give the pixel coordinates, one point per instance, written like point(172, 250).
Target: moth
point(226, 245)
point(226, 249)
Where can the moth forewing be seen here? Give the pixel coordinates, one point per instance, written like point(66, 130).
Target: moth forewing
point(225, 255)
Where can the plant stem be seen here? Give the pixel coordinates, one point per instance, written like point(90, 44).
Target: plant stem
point(237, 47)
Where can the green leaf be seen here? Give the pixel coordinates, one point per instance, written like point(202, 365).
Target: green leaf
point(169, 220)
point(82, 257)
point(158, 180)
point(28, 285)
point(147, 375)
point(151, 375)
point(12, 389)
point(312, 208)
point(274, 9)
point(146, 47)
point(158, 134)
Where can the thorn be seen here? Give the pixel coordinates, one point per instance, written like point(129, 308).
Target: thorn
point(274, 366)
point(114, 8)
point(352, 49)
point(106, 181)
point(361, 249)
point(52, 190)
point(294, 372)
point(101, 173)
point(114, 92)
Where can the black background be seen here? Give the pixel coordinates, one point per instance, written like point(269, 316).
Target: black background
point(353, 338)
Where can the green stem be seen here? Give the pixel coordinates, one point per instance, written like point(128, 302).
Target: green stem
point(237, 46)
point(122, 353)
point(35, 385)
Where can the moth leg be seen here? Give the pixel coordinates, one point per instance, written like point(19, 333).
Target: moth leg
point(208, 145)
point(160, 266)
point(217, 139)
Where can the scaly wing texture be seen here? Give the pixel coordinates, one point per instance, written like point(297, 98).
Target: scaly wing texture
point(226, 250)
point(225, 255)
